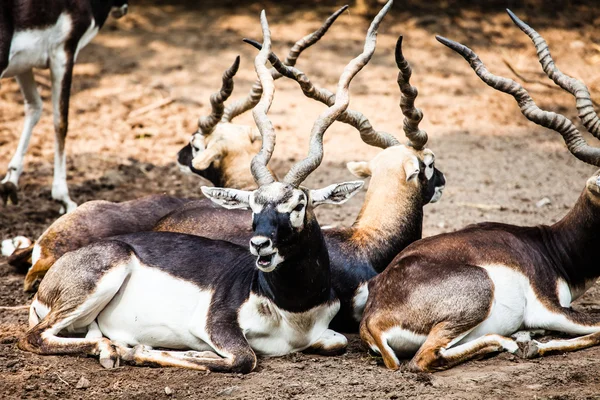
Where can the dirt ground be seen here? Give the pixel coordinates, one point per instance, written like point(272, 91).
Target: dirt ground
point(498, 166)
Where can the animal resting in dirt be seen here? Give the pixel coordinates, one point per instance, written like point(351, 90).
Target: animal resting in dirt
point(178, 291)
point(42, 34)
point(228, 148)
point(90, 222)
point(403, 180)
point(457, 296)
point(221, 151)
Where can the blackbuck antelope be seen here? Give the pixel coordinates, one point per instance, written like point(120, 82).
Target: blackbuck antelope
point(403, 180)
point(90, 222)
point(221, 151)
point(224, 304)
point(43, 34)
point(100, 219)
point(457, 296)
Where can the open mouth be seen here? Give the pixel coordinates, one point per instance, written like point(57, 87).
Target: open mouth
point(265, 261)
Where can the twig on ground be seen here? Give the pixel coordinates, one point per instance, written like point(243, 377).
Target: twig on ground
point(151, 107)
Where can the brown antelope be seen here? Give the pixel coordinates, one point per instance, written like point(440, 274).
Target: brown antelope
point(457, 296)
point(221, 151)
point(47, 34)
point(403, 180)
point(224, 304)
point(90, 222)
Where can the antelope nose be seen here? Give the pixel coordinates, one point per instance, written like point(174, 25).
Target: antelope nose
point(259, 242)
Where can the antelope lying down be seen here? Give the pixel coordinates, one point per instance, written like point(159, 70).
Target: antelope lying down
point(181, 292)
point(403, 180)
point(42, 34)
point(90, 222)
point(221, 151)
point(457, 296)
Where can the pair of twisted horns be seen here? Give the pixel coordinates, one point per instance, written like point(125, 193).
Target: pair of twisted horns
point(412, 116)
point(300, 171)
point(220, 113)
point(557, 122)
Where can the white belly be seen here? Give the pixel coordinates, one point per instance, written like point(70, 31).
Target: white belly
point(275, 332)
point(33, 48)
point(158, 310)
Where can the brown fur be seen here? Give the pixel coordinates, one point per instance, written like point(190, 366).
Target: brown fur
point(95, 220)
point(437, 288)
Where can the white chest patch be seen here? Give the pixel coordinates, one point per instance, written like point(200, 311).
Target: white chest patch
point(33, 48)
point(158, 310)
point(275, 332)
point(360, 300)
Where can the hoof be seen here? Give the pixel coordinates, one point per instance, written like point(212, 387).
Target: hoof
point(528, 349)
point(66, 206)
point(109, 358)
point(8, 192)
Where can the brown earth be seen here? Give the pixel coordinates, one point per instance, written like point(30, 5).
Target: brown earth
point(498, 166)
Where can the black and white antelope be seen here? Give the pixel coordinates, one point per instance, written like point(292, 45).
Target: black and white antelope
point(403, 180)
point(47, 34)
point(221, 151)
point(213, 299)
point(457, 296)
point(95, 220)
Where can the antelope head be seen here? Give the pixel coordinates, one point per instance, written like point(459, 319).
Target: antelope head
point(220, 151)
point(412, 163)
point(283, 220)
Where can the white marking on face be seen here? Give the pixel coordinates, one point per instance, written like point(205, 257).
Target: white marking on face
point(359, 301)
point(296, 207)
point(429, 161)
point(272, 331)
point(198, 144)
point(32, 48)
point(437, 194)
point(119, 12)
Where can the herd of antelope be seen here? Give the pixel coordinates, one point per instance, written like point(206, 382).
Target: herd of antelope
point(210, 284)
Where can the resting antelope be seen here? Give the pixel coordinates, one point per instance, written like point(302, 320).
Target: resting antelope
point(403, 180)
point(42, 34)
point(221, 151)
point(176, 291)
point(457, 296)
point(91, 221)
point(225, 145)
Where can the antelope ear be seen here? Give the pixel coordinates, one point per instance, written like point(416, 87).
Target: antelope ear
point(228, 198)
point(360, 169)
point(203, 160)
point(411, 168)
point(337, 193)
point(254, 135)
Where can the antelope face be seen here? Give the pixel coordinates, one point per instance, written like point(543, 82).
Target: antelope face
point(593, 187)
point(410, 166)
point(119, 8)
point(280, 215)
point(207, 150)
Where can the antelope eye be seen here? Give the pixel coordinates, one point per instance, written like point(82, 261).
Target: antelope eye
point(299, 207)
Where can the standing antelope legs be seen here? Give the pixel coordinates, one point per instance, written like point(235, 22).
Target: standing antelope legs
point(61, 67)
point(33, 112)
